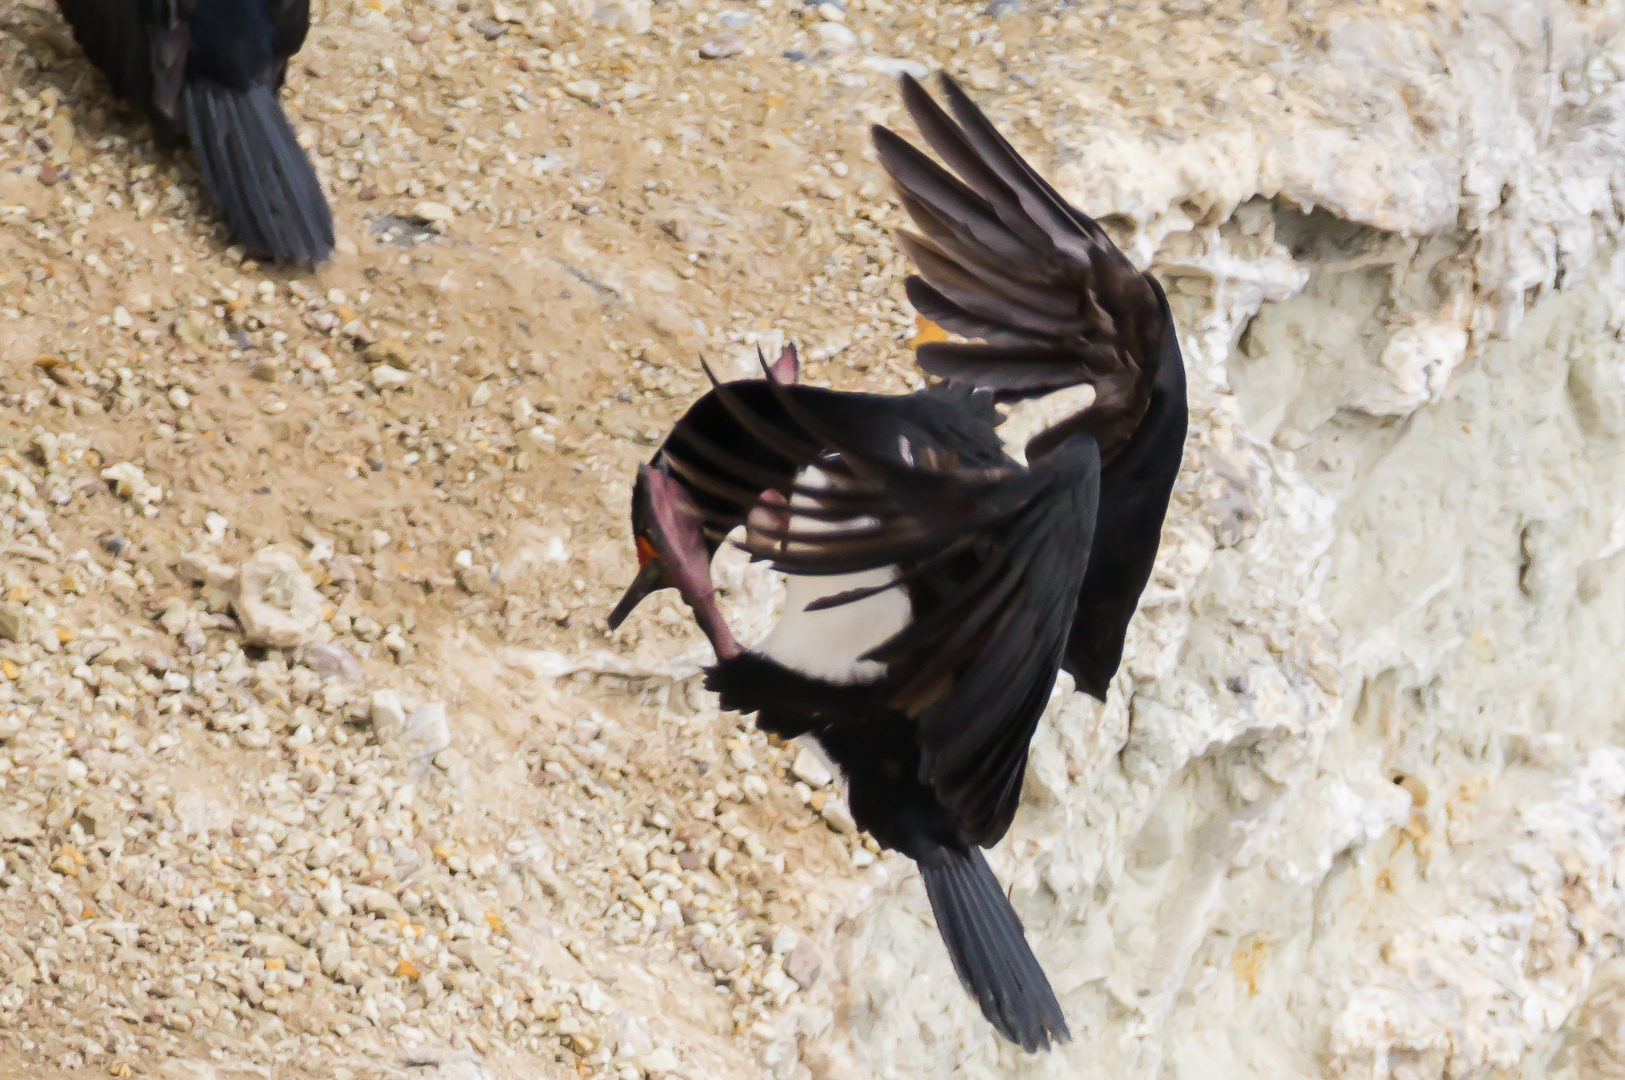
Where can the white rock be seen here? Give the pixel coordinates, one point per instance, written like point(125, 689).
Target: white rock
point(584, 90)
point(14, 482)
point(202, 568)
point(723, 46)
point(332, 661)
point(384, 377)
point(17, 826)
point(835, 37)
point(427, 731)
point(627, 16)
point(334, 953)
point(983, 78)
point(810, 766)
point(387, 714)
point(840, 818)
point(129, 482)
point(894, 68)
point(431, 211)
point(276, 602)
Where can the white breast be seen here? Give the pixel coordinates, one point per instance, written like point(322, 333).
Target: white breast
point(827, 644)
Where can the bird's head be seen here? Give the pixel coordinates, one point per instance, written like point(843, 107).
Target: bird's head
point(672, 553)
point(652, 575)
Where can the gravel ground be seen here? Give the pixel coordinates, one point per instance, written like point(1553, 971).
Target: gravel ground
point(315, 756)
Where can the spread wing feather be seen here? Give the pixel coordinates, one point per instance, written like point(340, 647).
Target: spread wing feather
point(1004, 260)
point(991, 558)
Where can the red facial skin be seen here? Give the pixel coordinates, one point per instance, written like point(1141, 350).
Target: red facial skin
point(676, 541)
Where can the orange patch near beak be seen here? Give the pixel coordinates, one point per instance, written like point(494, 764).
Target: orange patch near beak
point(646, 552)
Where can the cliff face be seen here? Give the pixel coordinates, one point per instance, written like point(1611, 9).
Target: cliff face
point(1355, 807)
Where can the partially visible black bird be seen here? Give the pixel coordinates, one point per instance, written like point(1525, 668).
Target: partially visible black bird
point(935, 585)
point(211, 70)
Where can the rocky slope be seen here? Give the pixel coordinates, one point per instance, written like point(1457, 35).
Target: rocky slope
point(315, 758)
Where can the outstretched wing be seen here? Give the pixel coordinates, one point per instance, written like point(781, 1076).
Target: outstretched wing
point(1004, 259)
point(991, 558)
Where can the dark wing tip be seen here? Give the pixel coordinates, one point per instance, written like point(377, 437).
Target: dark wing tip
point(1019, 226)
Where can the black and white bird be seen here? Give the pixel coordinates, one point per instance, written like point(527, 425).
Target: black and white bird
point(210, 71)
point(935, 585)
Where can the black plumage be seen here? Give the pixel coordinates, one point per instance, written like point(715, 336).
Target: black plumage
point(210, 70)
point(943, 415)
point(1053, 303)
point(1010, 571)
point(934, 751)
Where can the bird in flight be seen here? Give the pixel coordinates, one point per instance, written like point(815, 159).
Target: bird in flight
point(934, 584)
point(209, 71)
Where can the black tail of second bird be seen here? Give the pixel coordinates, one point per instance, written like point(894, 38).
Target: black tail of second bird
point(256, 172)
point(990, 951)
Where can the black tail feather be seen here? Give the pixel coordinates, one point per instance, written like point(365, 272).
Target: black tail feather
point(990, 951)
point(256, 172)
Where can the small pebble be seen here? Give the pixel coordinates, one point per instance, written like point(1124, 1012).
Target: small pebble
point(584, 90)
point(432, 211)
point(835, 36)
point(722, 46)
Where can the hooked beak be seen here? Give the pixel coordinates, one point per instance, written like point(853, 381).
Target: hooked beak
point(672, 551)
point(651, 578)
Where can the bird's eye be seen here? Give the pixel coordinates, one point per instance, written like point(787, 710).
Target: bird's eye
point(646, 551)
